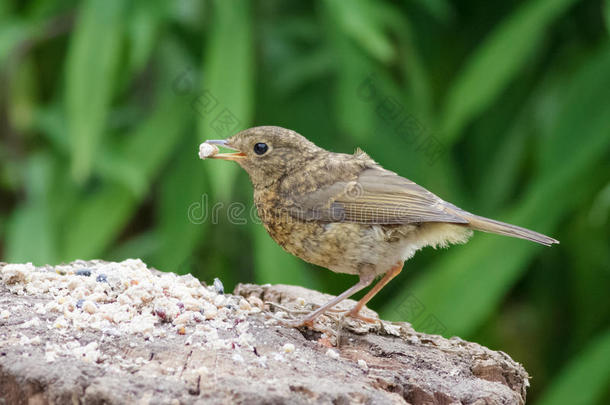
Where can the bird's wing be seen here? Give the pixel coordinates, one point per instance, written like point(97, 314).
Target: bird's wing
point(377, 196)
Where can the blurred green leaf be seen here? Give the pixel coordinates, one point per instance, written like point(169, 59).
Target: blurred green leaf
point(502, 176)
point(606, 12)
point(538, 114)
point(152, 143)
point(115, 167)
point(419, 95)
point(585, 379)
point(100, 216)
point(467, 284)
point(184, 209)
point(584, 110)
point(142, 246)
point(188, 13)
point(359, 20)
point(6, 9)
point(355, 119)
point(442, 10)
point(92, 63)
point(2, 227)
point(12, 32)
point(31, 235)
point(50, 122)
point(588, 236)
point(96, 221)
point(143, 27)
point(359, 90)
point(23, 94)
point(492, 66)
point(303, 69)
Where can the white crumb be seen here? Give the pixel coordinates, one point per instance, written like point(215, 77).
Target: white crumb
point(89, 307)
point(332, 354)
point(30, 323)
point(362, 364)
point(16, 273)
point(288, 348)
point(50, 356)
point(392, 329)
point(207, 150)
point(245, 305)
point(255, 302)
point(88, 353)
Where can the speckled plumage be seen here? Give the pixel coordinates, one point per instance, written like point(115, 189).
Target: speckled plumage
point(346, 247)
point(345, 212)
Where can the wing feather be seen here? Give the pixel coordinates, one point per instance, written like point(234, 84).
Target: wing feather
point(377, 196)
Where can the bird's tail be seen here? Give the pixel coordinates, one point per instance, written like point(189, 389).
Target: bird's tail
point(502, 228)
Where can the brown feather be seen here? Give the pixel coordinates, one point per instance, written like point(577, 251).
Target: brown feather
point(378, 196)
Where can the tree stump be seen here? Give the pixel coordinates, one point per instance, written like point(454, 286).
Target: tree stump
point(116, 333)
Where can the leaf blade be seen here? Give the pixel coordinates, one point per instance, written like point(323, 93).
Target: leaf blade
point(585, 378)
point(92, 62)
point(496, 62)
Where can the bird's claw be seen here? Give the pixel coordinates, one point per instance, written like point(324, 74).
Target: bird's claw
point(298, 324)
point(356, 315)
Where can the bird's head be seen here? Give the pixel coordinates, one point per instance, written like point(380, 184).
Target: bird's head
point(268, 153)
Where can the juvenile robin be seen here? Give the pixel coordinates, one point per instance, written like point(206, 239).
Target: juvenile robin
point(346, 212)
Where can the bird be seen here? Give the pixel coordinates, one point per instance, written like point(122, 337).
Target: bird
point(345, 212)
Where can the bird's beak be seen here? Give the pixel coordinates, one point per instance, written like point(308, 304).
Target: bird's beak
point(226, 156)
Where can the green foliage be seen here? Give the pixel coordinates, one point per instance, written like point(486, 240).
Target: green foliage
point(607, 14)
point(91, 67)
point(502, 109)
point(585, 379)
point(495, 62)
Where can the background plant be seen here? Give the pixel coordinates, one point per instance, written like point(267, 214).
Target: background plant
point(103, 104)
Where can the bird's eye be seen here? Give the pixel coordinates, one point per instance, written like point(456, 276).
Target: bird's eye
point(260, 148)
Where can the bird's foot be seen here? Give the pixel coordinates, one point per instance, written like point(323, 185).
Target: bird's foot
point(304, 322)
point(356, 315)
point(299, 323)
point(294, 323)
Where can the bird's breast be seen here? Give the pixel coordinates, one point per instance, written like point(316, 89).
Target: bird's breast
point(339, 246)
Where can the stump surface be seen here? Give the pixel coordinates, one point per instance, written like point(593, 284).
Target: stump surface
point(55, 348)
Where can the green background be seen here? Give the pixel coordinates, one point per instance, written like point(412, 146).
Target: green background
point(502, 108)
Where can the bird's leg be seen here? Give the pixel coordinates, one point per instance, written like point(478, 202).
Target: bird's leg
point(362, 283)
point(354, 312)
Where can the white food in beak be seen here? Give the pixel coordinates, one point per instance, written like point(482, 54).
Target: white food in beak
point(207, 150)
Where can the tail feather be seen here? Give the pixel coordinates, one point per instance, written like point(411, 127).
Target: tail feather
point(489, 225)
